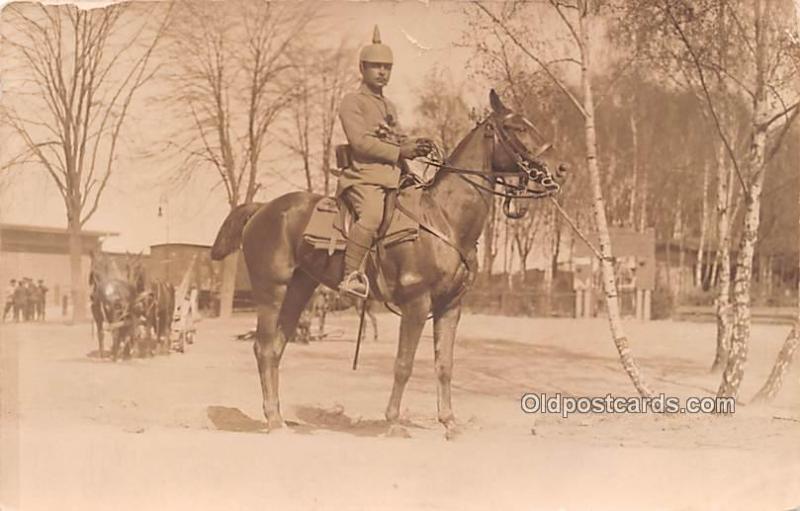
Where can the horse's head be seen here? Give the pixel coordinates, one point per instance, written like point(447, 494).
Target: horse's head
point(518, 147)
point(114, 298)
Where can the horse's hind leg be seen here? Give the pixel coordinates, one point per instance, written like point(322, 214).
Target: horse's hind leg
point(301, 289)
point(279, 309)
point(444, 335)
point(411, 325)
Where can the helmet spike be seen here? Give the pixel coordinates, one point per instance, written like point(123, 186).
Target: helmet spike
point(376, 52)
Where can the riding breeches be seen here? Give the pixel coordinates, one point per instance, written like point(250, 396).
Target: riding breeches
point(366, 201)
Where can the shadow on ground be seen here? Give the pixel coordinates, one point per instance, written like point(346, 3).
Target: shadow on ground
point(311, 418)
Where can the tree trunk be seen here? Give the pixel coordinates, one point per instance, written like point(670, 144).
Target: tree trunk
point(643, 199)
point(77, 281)
point(326, 171)
point(547, 303)
point(678, 234)
point(635, 170)
point(489, 240)
point(789, 348)
point(556, 245)
point(609, 282)
point(698, 270)
point(781, 367)
point(228, 288)
point(723, 262)
point(734, 371)
point(506, 251)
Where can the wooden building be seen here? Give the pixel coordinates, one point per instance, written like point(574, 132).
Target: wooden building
point(169, 262)
point(43, 253)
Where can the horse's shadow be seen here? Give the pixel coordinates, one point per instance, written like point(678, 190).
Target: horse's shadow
point(312, 419)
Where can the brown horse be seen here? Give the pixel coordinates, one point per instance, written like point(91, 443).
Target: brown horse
point(427, 276)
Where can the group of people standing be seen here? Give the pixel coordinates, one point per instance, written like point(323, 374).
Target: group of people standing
point(26, 299)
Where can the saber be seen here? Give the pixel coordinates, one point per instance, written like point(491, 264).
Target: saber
point(360, 333)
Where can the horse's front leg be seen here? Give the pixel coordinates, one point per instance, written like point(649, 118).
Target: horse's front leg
point(115, 342)
point(411, 325)
point(100, 338)
point(97, 317)
point(444, 335)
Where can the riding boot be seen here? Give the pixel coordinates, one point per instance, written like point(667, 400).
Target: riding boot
point(359, 241)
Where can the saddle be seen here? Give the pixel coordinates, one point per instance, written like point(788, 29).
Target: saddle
point(410, 212)
point(331, 219)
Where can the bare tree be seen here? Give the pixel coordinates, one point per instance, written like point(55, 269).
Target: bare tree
point(441, 109)
point(322, 76)
point(339, 74)
point(231, 83)
point(302, 116)
point(79, 71)
point(790, 346)
point(578, 19)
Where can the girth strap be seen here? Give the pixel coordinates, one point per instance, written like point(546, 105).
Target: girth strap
point(436, 232)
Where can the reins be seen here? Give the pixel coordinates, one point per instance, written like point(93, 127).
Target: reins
point(530, 169)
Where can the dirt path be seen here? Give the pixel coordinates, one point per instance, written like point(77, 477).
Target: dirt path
point(185, 431)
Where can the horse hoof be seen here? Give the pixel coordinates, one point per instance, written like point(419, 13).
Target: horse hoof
point(397, 431)
point(276, 426)
point(451, 431)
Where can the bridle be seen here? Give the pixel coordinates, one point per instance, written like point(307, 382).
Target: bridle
point(115, 313)
point(533, 177)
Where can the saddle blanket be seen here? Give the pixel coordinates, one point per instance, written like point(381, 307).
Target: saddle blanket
point(327, 226)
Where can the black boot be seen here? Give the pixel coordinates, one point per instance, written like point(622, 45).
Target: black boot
point(359, 241)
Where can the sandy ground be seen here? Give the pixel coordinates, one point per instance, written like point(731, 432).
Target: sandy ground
point(185, 431)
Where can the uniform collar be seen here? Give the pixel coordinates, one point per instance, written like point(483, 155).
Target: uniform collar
point(363, 89)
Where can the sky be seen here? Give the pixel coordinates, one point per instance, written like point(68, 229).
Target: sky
point(422, 35)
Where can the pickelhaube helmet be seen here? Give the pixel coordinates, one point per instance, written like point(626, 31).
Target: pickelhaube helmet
point(376, 52)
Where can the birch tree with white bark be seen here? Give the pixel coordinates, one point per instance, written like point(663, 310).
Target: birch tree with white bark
point(788, 351)
point(579, 19)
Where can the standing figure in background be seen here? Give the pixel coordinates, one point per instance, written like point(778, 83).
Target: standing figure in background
point(30, 299)
point(35, 301)
point(8, 298)
point(19, 301)
point(42, 301)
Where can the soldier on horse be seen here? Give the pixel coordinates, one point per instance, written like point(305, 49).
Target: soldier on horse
point(423, 275)
point(377, 150)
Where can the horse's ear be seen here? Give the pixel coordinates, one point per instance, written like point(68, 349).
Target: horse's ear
point(497, 105)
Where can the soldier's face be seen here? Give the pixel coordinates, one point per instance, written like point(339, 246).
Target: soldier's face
point(376, 75)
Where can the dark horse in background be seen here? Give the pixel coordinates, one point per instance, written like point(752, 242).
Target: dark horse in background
point(154, 308)
point(112, 298)
point(424, 277)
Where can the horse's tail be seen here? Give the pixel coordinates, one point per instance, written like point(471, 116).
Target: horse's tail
point(229, 237)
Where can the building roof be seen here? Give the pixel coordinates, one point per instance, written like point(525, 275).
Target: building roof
point(193, 245)
point(52, 230)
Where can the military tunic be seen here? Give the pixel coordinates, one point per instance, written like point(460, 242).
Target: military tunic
point(374, 157)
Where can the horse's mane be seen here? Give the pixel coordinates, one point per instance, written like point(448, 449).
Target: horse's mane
point(455, 152)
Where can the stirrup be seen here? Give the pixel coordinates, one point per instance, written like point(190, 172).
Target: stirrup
point(355, 284)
